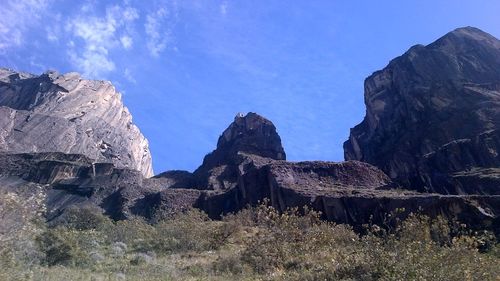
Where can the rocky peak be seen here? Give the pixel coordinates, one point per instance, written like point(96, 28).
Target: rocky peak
point(250, 134)
point(428, 102)
point(464, 54)
point(55, 112)
point(460, 37)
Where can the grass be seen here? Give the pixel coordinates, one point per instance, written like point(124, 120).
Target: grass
point(255, 244)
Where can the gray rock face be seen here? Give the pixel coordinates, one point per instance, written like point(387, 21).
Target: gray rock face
point(65, 113)
point(433, 115)
point(370, 199)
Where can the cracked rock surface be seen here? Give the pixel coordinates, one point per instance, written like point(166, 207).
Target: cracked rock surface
point(433, 116)
point(66, 113)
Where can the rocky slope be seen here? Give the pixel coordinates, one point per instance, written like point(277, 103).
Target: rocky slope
point(66, 113)
point(433, 116)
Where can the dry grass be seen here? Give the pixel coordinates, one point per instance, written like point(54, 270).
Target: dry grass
point(255, 244)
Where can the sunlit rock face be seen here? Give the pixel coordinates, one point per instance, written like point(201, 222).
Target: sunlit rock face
point(66, 113)
point(433, 116)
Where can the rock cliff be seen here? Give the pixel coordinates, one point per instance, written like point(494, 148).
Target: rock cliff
point(433, 116)
point(66, 113)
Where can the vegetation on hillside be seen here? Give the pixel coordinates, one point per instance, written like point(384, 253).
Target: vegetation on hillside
point(255, 244)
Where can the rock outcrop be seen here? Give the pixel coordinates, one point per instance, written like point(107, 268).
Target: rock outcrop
point(433, 116)
point(72, 180)
point(249, 134)
point(66, 113)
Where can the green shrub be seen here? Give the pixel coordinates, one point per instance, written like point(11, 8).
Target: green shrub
point(131, 232)
point(255, 244)
point(189, 231)
point(70, 247)
point(57, 248)
point(21, 221)
point(299, 247)
point(293, 240)
point(229, 264)
point(421, 249)
point(83, 218)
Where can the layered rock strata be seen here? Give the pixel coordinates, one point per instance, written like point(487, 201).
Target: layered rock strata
point(66, 113)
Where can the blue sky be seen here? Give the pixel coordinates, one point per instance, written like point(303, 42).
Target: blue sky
point(185, 68)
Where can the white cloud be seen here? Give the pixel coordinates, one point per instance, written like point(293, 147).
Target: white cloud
point(16, 17)
point(92, 63)
point(87, 6)
point(158, 28)
point(51, 35)
point(128, 75)
point(155, 43)
point(223, 8)
point(126, 41)
point(53, 31)
point(99, 35)
point(130, 14)
point(36, 64)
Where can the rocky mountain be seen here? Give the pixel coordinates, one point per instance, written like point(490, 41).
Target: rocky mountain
point(428, 144)
point(66, 113)
point(433, 116)
point(347, 192)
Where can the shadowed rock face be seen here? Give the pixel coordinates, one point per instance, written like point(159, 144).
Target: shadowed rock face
point(433, 116)
point(72, 180)
point(249, 134)
point(65, 113)
point(320, 175)
point(348, 192)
